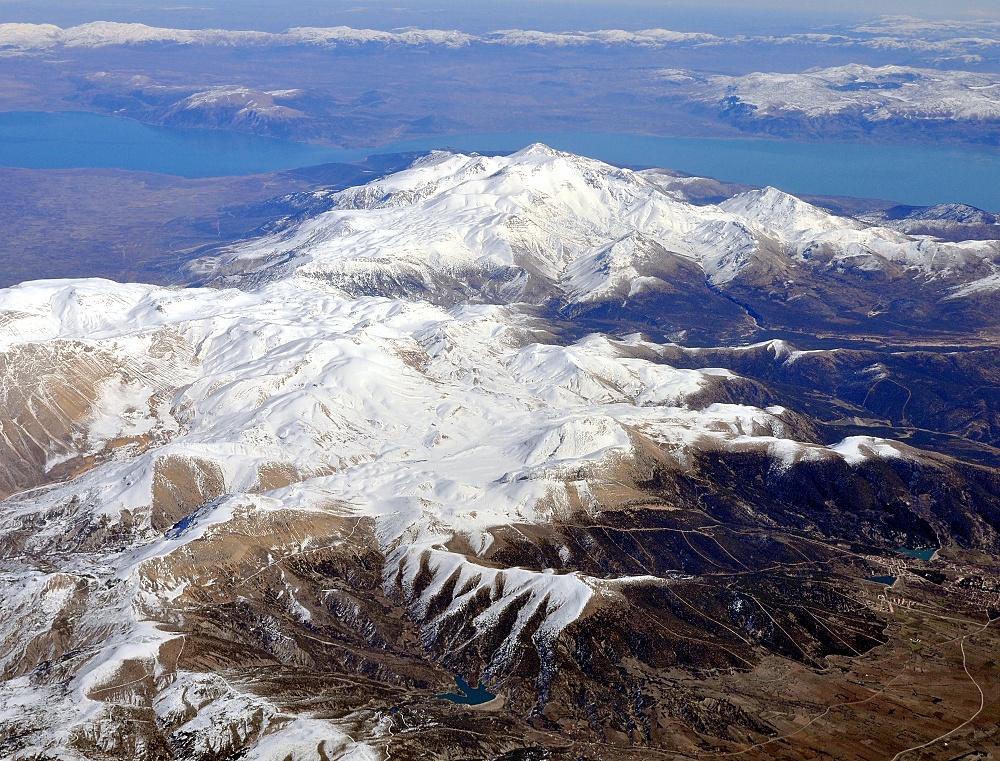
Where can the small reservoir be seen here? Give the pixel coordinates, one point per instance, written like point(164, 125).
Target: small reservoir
point(923, 554)
point(887, 580)
point(468, 695)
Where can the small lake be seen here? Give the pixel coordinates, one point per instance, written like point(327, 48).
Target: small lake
point(887, 580)
point(924, 554)
point(913, 174)
point(468, 695)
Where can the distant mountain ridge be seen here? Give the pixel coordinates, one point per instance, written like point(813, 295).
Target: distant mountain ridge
point(849, 102)
point(16, 38)
point(948, 221)
point(880, 82)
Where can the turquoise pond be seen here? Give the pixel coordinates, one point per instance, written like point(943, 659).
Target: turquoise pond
point(887, 580)
point(468, 695)
point(911, 174)
point(923, 554)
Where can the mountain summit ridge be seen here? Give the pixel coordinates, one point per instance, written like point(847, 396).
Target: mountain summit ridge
point(521, 224)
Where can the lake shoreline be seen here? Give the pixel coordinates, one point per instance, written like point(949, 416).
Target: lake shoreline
point(918, 175)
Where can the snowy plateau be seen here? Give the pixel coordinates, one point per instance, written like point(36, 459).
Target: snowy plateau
point(876, 93)
point(269, 517)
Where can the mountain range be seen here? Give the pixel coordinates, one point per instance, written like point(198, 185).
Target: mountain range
point(890, 80)
point(669, 478)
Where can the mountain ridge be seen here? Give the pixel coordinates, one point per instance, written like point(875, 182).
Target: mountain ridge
point(548, 212)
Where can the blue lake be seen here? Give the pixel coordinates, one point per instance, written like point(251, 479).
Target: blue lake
point(887, 580)
point(468, 695)
point(909, 174)
point(923, 554)
point(70, 139)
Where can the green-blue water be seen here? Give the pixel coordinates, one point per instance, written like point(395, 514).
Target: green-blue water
point(887, 580)
point(914, 174)
point(468, 695)
point(924, 554)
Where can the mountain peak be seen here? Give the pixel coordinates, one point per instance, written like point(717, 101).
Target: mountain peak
point(539, 149)
point(455, 227)
point(785, 214)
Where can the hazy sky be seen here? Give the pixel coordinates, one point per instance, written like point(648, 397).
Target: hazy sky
point(723, 16)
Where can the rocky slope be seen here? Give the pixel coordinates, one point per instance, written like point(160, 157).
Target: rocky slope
point(271, 518)
point(948, 221)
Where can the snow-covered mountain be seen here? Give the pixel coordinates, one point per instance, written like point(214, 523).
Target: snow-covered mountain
point(876, 93)
point(27, 38)
point(234, 105)
point(302, 417)
point(899, 34)
point(370, 457)
point(544, 224)
point(891, 102)
point(949, 221)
